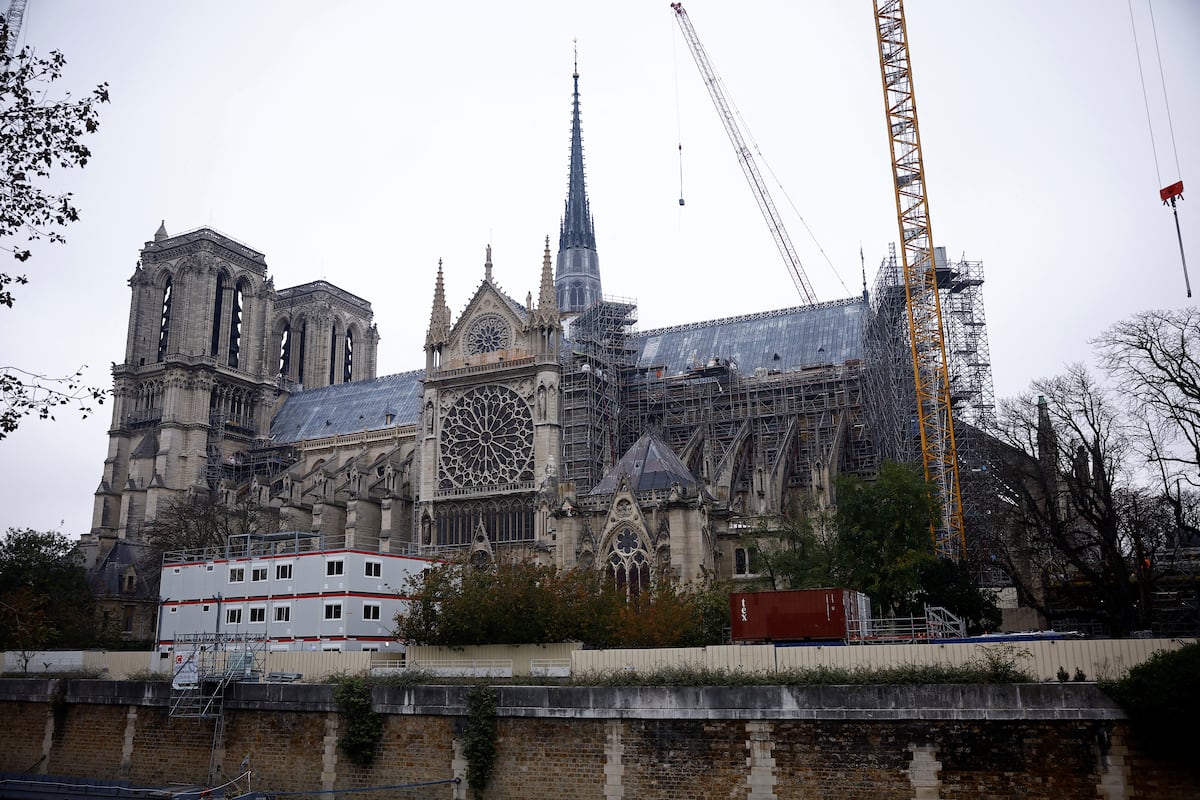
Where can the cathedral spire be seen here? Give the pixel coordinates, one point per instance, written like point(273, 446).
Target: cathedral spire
point(439, 317)
point(577, 278)
point(547, 304)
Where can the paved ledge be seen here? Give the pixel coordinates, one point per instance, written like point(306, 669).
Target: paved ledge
point(1046, 701)
point(939, 702)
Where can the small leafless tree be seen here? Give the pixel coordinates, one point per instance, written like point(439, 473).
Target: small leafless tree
point(1064, 459)
point(1154, 359)
point(201, 520)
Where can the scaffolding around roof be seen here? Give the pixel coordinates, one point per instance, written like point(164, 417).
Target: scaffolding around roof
point(595, 366)
point(887, 345)
point(889, 378)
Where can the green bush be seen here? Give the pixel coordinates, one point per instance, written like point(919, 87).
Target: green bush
point(1162, 699)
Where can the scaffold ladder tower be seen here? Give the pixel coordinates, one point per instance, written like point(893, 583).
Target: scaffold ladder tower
point(926, 335)
point(206, 663)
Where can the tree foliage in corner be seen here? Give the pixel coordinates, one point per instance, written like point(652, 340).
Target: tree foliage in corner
point(44, 597)
point(38, 135)
point(1162, 698)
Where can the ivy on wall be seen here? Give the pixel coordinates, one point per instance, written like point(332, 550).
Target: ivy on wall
point(479, 738)
point(362, 726)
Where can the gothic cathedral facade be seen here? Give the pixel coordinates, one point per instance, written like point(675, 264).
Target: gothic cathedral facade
point(546, 429)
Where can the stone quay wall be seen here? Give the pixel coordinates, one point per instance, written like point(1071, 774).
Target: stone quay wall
point(761, 742)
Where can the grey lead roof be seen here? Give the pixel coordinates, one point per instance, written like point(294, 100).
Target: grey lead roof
point(648, 464)
point(775, 340)
point(349, 408)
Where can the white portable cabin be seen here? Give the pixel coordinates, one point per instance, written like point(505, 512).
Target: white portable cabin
point(285, 587)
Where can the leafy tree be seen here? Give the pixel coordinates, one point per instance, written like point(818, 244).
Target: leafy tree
point(521, 602)
point(952, 585)
point(1162, 698)
point(883, 536)
point(43, 591)
point(796, 552)
point(39, 134)
point(509, 602)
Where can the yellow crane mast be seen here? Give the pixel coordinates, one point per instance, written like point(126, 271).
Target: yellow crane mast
point(926, 333)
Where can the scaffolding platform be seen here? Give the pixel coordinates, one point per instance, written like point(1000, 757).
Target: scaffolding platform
point(206, 663)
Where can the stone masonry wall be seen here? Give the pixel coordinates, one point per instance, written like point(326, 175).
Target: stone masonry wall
point(756, 743)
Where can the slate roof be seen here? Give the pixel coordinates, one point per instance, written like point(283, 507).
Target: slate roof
point(775, 340)
point(349, 408)
point(106, 577)
point(650, 464)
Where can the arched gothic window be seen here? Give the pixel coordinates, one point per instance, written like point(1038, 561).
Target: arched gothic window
point(285, 351)
point(164, 323)
point(348, 357)
point(333, 348)
point(218, 305)
point(628, 563)
point(235, 325)
point(301, 343)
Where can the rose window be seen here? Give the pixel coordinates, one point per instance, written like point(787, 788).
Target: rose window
point(627, 542)
point(487, 334)
point(487, 439)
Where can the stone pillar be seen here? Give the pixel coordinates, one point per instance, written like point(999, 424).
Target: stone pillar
point(131, 726)
point(1114, 766)
point(329, 752)
point(614, 769)
point(923, 772)
point(458, 766)
point(760, 760)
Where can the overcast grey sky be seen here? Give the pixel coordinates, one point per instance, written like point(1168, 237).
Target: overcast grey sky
point(362, 141)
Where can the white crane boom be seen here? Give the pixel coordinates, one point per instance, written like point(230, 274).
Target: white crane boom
point(757, 185)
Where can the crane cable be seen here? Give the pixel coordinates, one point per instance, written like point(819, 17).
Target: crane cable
point(1168, 194)
point(737, 112)
point(678, 116)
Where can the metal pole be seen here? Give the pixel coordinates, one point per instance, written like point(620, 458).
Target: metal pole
point(1186, 281)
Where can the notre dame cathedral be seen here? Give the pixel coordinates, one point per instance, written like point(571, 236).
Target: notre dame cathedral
point(546, 427)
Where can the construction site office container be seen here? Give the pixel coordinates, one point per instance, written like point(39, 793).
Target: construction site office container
point(804, 615)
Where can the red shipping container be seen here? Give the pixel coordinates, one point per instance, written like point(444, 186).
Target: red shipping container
point(802, 615)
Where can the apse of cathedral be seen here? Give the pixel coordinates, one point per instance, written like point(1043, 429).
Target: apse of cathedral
point(547, 428)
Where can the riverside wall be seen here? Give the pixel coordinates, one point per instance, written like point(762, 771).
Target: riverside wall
point(759, 742)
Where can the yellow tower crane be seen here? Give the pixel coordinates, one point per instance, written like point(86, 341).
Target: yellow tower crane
point(926, 333)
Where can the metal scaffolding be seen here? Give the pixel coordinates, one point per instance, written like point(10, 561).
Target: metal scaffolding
point(887, 346)
point(788, 429)
point(594, 370)
point(889, 380)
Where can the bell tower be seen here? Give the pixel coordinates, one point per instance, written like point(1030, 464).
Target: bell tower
point(197, 385)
